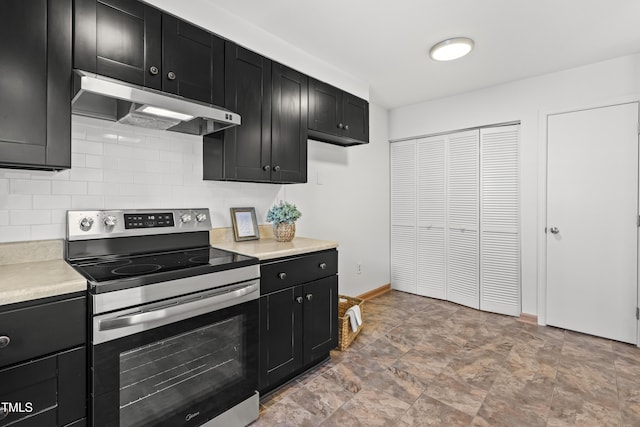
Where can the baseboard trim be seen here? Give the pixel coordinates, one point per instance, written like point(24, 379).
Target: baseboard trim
point(531, 319)
point(376, 292)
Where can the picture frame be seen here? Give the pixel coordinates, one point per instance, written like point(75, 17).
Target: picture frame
point(245, 225)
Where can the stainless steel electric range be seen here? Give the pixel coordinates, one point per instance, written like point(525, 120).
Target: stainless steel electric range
point(173, 322)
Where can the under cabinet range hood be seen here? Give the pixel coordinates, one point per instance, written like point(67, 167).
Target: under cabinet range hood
point(109, 99)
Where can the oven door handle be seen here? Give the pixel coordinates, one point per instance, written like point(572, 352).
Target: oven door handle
point(180, 309)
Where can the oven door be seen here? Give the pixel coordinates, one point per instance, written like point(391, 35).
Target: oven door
point(170, 364)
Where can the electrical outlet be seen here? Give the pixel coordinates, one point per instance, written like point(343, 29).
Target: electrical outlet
point(358, 268)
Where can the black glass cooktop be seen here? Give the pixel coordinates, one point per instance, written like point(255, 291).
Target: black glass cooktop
point(155, 267)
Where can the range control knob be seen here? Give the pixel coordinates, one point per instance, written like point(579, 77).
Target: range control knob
point(110, 221)
point(201, 217)
point(86, 223)
point(184, 218)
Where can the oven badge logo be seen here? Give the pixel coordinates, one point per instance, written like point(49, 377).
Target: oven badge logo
point(189, 417)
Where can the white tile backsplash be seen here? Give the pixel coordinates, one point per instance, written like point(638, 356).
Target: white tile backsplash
point(121, 167)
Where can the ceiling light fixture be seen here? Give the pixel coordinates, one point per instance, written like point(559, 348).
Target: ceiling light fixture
point(450, 49)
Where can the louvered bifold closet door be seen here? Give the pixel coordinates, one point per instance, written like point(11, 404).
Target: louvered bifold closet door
point(499, 220)
point(403, 216)
point(462, 218)
point(431, 193)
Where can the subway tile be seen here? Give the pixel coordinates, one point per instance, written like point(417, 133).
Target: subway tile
point(4, 186)
point(52, 202)
point(9, 173)
point(147, 178)
point(78, 160)
point(13, 233)
point(58, 216)
point(51, 176)
point(86, 174)
point(87, 202)
point(4, 217)
point(144, 154)
point(170, 156)
point(68, 187)
point(29, 217)
point(132, 189)
point(49, 231)
point(115, 175)
point(16, 201)
point(92, 161)
point(86, 147)
point(102, 134)
point(96, 188)
point(128, 164)
point(27, 186)
point(116, 150)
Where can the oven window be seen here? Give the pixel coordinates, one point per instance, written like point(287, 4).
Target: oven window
point(170, 373)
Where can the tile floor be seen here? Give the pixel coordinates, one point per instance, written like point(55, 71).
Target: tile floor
point(423, 362)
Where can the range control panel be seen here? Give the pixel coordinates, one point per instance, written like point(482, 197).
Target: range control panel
point(146, 220)
point(84, 225)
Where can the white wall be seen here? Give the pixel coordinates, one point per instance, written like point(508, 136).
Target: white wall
point(528, 101)
point(347, 200)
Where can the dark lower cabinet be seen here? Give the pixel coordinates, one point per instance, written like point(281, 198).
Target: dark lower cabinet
point(43, 368)
point(298, 324)
point(35, 77)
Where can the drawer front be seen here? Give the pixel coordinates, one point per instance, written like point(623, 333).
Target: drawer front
point(42, 329)
point(288, 272)
point(31, 387)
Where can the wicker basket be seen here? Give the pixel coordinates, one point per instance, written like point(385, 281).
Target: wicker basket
point(345, 334)
point(284, 232)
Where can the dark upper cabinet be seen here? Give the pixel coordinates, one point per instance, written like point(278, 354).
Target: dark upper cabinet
point(192, 58)
point(288, 127)
point(136, 43)
point(35, 77)
point(335, 116)
point(271, 143)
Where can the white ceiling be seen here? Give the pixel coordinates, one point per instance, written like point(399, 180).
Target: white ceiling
point(385, 43)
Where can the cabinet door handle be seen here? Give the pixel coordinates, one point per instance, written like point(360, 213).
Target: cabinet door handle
point(266, 168)
point(309, 297)
point(323, 265)
point(171, 75)
point(299, 300)
point(340, 126)
point(4, 341)
point(153, 70)
point(276, 168)
point(282, 276)
point(346, 127)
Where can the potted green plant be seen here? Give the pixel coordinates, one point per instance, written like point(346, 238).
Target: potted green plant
point(284, 216)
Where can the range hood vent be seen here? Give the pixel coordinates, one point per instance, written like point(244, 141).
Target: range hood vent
point(105, 98)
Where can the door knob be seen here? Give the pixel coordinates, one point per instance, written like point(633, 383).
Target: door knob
point(299, 300)
point(171, 75)
point(554, 230)
point(346, 127)
point(153, 70)
point(4, 341)
point(323, 265)
point(276, 168)
point(282, 276)
point(309, 297)
point(266, 168)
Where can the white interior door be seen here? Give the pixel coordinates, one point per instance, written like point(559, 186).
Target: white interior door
point(403, 216)
point(431, 195)
point(592, 213)
point(462, 218)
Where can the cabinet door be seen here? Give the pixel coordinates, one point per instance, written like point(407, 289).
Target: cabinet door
point(355, 117)
point(192, 58)
point(35, 65)
point(288, 125)
point(247, 148)
point(280, 336)
point(325, 108)
point(320, 318)
point(120, 39)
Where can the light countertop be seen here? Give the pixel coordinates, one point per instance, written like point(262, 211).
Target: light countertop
point(33, 280)
point(267, 247)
